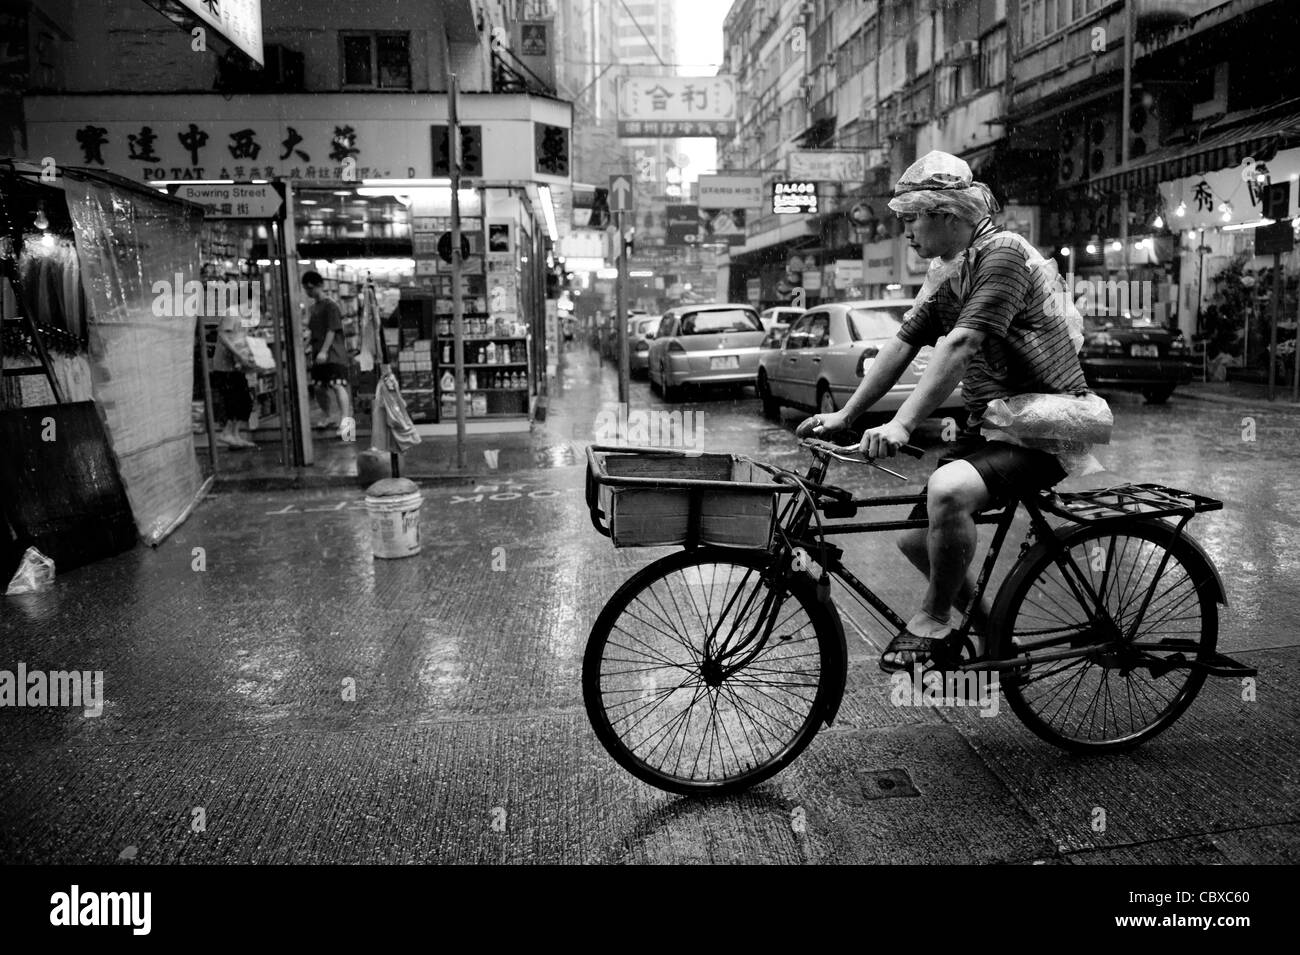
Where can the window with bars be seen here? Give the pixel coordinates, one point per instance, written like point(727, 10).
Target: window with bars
point(376, 60)
point(993, 58)
point(1040, 19)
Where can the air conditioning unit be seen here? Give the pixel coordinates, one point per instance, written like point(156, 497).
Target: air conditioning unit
point(1103, 143)
point(963, 50)
point(1070, 167)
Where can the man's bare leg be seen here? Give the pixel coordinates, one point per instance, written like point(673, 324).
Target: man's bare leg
point(915, 546)
point(955, 493)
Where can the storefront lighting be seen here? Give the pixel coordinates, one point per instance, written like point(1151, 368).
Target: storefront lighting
point(548, 211)
point(1158, 222)
point(308, 202)
point(1090, 248)
point(893, 287)
point(41, 222)
point(195, 182)
point(1116, 247)
point(607, 273)
point(1066, 251)
point(260, 182)
point(343, 192)
point(641, 274)
point(1238, 226)
point(391, 184)
point(48, 240)
point(1181, 210)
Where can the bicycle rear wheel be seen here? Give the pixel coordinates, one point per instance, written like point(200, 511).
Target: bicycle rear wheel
point(1117, 695)
point(689, 719)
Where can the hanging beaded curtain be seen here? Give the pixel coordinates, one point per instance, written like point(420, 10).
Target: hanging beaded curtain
point(141, 350)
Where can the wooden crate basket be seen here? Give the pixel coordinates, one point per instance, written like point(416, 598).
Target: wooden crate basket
point(655, 497)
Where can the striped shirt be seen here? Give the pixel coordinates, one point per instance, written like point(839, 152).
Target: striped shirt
point(1025, 350)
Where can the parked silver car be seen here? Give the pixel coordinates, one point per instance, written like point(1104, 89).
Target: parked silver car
point(824, 356)
point(704, 345)
point(640, 330)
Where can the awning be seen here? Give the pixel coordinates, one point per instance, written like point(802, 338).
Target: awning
point(1216, 149)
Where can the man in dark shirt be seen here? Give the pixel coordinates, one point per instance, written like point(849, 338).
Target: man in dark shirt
point(986, 310)
point(330, 370)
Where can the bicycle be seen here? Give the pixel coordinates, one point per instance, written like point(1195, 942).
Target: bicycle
point(711, 669)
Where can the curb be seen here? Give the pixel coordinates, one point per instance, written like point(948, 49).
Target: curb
point(1239, 402)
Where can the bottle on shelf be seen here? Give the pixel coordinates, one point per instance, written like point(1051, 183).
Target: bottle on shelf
point(491, 353)
point(473, 380)
point(448, 382)
point(446, 353)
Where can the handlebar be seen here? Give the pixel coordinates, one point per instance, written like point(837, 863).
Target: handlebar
point(849, 453)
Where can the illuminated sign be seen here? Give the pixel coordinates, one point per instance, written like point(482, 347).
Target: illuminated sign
point(792, 198)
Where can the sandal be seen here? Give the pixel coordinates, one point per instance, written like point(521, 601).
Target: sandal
point(920, 650)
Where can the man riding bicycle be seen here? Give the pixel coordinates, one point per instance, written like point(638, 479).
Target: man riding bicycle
point(989, 314)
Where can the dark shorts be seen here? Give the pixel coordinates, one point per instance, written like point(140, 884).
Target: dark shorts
point(326, 373)
point(1009, 471)
point(236, 400)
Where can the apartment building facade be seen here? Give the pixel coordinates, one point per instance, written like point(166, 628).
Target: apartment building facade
point(1030, 93)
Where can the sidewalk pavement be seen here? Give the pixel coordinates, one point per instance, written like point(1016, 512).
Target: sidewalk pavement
point(580, 385)
point(1241, 393)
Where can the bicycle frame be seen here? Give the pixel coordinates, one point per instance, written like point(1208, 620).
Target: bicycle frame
point(796, 528)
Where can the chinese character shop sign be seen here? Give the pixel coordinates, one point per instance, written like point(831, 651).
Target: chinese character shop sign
point(239, 21)
point(789, 198)
point(304, 150)
point(676, 106)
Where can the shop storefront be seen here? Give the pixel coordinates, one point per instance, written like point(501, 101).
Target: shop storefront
point(96, 348)
point(367, 205)
point(1228, 281)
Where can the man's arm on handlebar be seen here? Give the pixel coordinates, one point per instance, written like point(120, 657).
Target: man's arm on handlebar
point(882, 374)
point(947, 366)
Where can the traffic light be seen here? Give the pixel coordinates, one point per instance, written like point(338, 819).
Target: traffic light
point(600, 218)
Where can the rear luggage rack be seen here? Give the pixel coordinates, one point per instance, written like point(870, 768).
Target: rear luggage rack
point(1126, 501)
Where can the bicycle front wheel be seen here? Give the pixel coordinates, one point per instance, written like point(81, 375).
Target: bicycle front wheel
point(683, 689)
point(1118, 693)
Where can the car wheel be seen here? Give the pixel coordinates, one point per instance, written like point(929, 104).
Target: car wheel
point(825, 400)
point(771, 406)
point(1158, 396)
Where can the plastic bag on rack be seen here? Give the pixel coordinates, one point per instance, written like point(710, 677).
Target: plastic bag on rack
point(35, 573)
point(1067, 426)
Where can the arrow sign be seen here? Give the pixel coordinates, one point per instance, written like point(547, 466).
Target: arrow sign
point(620, 193)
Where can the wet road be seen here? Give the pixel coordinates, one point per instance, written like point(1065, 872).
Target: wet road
point(274, 694)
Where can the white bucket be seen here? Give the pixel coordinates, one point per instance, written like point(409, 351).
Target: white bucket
point(395, 524)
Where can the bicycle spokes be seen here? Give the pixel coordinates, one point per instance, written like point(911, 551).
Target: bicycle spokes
point(1124, 685)
point(707, 674)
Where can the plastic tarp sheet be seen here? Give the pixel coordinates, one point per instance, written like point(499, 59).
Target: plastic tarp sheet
point(141, 357)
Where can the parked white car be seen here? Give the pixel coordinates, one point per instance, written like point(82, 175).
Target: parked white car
point(779, 315)
point(704, 345)
point(824, 356)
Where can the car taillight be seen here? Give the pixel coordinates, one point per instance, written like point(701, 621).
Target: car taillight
point(1178, 346)
point(642, 346)
point(868, 352)
point(1104, 343)
point(676, 346)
